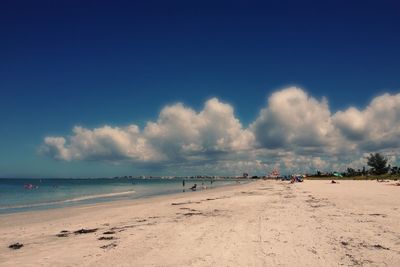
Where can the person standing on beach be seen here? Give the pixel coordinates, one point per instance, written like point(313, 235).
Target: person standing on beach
point(183, 185)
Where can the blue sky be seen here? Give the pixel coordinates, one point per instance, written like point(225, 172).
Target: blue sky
point(68, 63)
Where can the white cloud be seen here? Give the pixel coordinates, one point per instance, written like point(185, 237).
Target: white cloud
point(179, 134)
point(294, 131)
point(105, 143)
point(352, 123)
point(180, 130)
point(376, 127)
point(55, 147)
point(293, 119)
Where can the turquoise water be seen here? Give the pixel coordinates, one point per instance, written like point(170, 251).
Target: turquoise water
point(18, 195)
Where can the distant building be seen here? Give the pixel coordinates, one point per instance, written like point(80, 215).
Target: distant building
point(274, 174)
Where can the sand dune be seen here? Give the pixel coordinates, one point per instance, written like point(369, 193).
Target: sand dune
point(264, 223)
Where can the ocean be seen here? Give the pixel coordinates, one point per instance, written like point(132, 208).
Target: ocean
point(17, 195)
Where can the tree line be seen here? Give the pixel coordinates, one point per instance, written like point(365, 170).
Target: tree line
point(378, 164)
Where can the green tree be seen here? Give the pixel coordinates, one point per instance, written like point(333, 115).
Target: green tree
point(378, 163)
point(351, 172)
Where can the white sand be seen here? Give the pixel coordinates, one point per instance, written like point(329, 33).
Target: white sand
point(265, 223)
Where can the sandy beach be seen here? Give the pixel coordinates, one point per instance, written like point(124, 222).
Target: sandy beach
point(264, 223)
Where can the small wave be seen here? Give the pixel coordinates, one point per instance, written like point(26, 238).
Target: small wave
point(68, 200)
point(98, 196)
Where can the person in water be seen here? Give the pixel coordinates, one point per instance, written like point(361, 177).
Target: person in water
point(194, 187)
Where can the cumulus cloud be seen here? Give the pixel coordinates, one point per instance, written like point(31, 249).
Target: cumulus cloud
point(294, 131)
point(293, 118)
point(179, 134)
point(352, 123)
point(376, 127)
point(181, 131)
point(105, 143)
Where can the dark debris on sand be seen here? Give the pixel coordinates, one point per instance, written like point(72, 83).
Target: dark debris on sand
point(16, 246)
point(378, 246)
point(192, 213)
point(109, 246)
point(85, 231)
point(177, 203)
point(107, 238)
point(63, 233)
point(184, 203)
point(109, 233)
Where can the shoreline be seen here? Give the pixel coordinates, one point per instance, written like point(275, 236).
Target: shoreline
point(112, 203)
point(90, 199)
point(262, 223)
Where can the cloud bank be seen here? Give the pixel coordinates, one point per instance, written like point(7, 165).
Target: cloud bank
point(293, 132)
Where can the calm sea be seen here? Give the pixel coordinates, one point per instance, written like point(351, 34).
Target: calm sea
point(33, 194)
